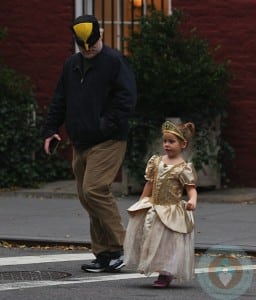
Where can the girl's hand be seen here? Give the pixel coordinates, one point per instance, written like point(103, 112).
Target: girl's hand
point(190, 205)
point(192, 196)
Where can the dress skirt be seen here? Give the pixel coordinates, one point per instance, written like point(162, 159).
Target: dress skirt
point(152, 247)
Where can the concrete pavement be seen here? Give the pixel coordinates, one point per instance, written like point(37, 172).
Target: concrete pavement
point(53, 214)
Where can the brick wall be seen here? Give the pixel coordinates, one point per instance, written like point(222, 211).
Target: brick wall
point(231, 24)
point(39, 40)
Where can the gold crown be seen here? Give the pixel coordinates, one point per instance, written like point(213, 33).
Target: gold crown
point(170, 127)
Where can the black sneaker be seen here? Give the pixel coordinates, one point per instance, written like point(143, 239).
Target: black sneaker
point(116, 262)
point(105, 262)
point(100, 264)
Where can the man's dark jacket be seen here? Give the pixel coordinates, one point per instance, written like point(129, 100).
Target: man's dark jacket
point(94, 98)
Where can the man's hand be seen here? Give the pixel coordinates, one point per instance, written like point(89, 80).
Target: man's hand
point(48, 141)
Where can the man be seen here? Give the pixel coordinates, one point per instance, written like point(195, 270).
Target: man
point(95, 97)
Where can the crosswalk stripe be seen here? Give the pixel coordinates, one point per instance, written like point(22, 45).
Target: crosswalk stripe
point(34, 284)
point(22, 260)
point(109, 277)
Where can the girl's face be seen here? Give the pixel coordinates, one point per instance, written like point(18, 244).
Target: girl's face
point(173, 145)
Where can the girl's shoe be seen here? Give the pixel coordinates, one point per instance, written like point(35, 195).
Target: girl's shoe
point(163, 281)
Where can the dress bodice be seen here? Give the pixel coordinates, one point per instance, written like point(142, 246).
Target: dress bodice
point(169, 180)
point(168, 185)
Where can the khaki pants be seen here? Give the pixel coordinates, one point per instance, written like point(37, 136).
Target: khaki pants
point(95, 169)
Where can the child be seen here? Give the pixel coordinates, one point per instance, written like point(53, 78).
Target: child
point(160, 236)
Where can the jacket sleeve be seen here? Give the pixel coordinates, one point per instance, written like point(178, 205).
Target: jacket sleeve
point(123, 98)
point(56, 113)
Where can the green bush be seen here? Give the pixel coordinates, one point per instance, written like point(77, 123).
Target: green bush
point(177, 76)
point(22, 160)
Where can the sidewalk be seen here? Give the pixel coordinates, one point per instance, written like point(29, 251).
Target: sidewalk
point(54, 214)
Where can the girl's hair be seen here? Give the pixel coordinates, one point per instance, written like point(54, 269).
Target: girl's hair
point(187, 129)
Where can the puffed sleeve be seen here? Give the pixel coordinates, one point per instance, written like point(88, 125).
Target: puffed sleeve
point(188, 175)
point(150, 168)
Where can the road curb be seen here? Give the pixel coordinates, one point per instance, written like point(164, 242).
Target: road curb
point(202, 197)
point(199, 249)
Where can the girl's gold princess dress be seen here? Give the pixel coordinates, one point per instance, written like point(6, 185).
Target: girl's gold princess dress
point(160, 232)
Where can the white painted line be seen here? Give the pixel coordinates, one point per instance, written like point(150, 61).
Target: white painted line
point(21, 260)
point(39, 259)
point(109, 277)
point(228, 268)
point(34, 284)
point(26, 260)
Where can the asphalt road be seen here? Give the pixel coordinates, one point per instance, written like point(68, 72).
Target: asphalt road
point(27, 273)
point(64, 220)
point(126, 285)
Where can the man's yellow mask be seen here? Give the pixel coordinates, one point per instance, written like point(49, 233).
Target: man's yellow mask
point(86, 30)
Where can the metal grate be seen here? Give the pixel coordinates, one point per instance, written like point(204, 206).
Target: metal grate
point(32, 275)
